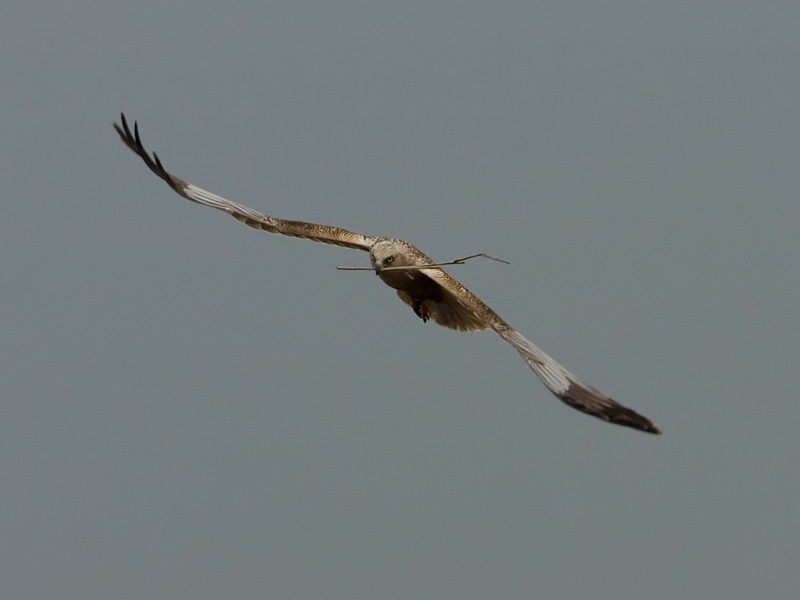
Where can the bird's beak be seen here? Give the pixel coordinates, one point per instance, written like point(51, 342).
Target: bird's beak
point(377, 269)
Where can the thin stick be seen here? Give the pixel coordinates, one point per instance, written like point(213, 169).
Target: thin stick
point(458, 261)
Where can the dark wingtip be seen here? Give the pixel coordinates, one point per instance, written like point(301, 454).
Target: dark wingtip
point(588, 400)
point(630, 418)
point(654, 430)
point(626, 417)
point(137, 138)
point(123, 129)
point(134, 142)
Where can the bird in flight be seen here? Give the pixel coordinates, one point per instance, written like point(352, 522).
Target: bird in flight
point(419, 282)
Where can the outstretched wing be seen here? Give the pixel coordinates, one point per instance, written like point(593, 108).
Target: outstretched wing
point(566, 386)
point(310, 231)
point(573, 391)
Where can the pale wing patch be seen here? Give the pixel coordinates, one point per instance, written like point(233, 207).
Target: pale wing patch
point(552, 374)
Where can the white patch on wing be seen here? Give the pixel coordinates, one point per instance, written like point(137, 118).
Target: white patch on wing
point(212, 200)
point(552, 374)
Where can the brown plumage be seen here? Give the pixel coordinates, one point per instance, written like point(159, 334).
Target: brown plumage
point(430, 292)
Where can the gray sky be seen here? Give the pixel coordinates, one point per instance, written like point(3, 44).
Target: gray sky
point(191, 409)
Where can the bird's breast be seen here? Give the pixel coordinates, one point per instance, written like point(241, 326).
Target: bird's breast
point(397, 280)
point(415, 284)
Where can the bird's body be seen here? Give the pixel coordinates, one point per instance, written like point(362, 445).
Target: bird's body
point(419, 288)
point(430, 292)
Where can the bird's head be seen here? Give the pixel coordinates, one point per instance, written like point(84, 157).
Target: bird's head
point(387, 253)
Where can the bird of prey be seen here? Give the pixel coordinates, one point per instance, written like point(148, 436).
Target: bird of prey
point(430, 292)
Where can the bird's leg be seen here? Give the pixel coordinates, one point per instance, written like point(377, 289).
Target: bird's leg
point(420, 310)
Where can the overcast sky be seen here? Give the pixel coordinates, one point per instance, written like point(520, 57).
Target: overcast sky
point(192, 409)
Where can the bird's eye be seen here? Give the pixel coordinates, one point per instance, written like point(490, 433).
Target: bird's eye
point(390, 260)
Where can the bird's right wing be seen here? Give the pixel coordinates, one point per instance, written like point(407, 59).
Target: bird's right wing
point(571, 390)
point(325, 234)
point(564, 384)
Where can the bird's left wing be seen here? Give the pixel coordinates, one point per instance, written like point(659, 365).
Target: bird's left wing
point(325, 234)
point(564, 384)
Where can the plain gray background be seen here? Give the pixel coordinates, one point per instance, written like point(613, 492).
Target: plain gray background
point(191, 409)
